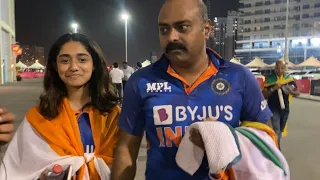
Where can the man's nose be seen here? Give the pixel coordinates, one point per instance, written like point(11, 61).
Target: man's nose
point(173, 36)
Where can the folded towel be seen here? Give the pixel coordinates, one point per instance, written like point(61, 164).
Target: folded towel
point(259, 158)
point(220, 154)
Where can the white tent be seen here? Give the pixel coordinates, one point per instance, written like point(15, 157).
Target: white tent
point(257, 63)
point(235, 60)
point(21, 65)
point(36, 65)
point(312, 62)
point(146, 63)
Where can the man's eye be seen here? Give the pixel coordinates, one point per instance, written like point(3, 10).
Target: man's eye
point(183, 28)
point(163, 30)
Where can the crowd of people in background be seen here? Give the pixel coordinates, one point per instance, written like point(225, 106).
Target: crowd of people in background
point(120, 75)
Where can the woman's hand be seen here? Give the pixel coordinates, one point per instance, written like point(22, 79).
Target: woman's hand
point(43, 176)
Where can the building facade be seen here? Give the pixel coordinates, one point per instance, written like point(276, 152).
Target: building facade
point(7, 39)
point(232, 33)
point(224, 35)
point(31, 54)
point(262, 30)
point(219, 36)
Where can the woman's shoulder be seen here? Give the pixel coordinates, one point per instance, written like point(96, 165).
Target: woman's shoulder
point(115, 111)
point(33, 111)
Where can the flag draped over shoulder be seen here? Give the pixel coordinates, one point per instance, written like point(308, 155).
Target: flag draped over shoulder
point(40, 143)
point(273, 79)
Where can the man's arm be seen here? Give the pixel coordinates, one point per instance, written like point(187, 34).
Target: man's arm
point(267, 92)
point(294, 91)
point(124, 164)
point(254, 107)
point(122, 74)
point(132, 125)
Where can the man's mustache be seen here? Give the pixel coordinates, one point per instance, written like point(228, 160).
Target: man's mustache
point(175, 46)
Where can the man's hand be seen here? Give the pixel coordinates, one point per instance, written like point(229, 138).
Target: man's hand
point(276, 86)
point(293, 91)
point(195, 136)
point(6, 125)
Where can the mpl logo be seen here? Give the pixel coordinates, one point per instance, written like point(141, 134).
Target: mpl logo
point(162, 115)
point(158, 87)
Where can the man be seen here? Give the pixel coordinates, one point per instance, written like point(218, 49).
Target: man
point(138, 66)
point(6, 125)
point(288, 88)
point(188, 84)
point(116, 77)
point(127, 71)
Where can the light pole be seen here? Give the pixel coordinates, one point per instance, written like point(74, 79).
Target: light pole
point(286, 49)
point(125, 17)
point(74, 27)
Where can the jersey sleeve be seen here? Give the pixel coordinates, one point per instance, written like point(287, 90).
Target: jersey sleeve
point(132, 118)
point(254, 107)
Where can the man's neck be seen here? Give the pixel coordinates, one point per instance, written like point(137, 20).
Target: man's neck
point(192, 71)
point(78, 97)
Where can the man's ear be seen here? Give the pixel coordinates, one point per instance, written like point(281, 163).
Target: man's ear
point(208, 28)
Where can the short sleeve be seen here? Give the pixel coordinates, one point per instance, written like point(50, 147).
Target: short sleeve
point(254, 107)
point(122, 74)
point(132, 70)
point(132, 118)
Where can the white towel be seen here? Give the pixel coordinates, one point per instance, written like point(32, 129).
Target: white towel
point(220, 154)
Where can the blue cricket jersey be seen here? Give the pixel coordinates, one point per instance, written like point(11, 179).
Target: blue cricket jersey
point(86, 133)
point(159, 102)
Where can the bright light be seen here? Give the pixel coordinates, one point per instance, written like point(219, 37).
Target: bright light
point(74, 25)
point(315, 42)
point(125, 16)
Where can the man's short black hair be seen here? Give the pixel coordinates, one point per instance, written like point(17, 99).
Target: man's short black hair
point(115, 65)
point(125, 63)
point(139, 64)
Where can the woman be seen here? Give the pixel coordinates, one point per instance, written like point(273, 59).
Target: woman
point(76, 120)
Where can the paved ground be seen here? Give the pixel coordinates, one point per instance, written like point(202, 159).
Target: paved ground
point(309, 97)
point(301, 147)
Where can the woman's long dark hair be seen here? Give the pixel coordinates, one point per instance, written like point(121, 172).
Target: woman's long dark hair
point(101, 92)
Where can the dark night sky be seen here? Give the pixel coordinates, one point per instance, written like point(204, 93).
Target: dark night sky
point(40, 22)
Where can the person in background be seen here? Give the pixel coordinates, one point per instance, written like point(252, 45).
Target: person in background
point(7, 120)
point(127, 71)
point(189, 84)
point(279, 80)
point(138, 66)
point(75, 122)
point(117, 75)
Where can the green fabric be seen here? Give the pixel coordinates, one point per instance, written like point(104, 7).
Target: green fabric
point(273, 79)
point(238, 158)
point(262, 147)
